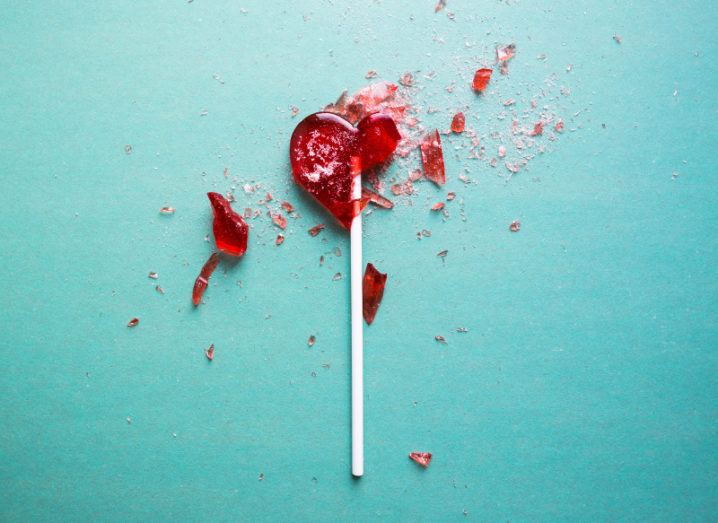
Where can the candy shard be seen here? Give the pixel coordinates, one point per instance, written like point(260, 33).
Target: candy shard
point(279, 240)
point(133, 322)
point(377, 199)
point(230, 229)
point(481, 79)
point(209, 352)
point(432, 158)
point(503, 55)
point(316, 229)
point(437, 206)
point(279, 220)
point(200, 284)
point(378, 138)
point(458, 123)
point(422, 458)
point(515, 226)
point(373, 291)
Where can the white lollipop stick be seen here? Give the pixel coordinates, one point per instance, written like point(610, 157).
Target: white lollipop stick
point(357, 329)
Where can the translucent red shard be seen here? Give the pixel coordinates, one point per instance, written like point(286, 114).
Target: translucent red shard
point(209, 352)
point(422, 458)
point(373, 291)
point(230, 229)
point(287, 206)
point(200, 284)
point(515, 226)
point(167, 210)
point(133, 322)
point(378, 138)
point(279, 220)
point(432, 158)
point(437, 206)
point(458, 123)
point(503, 55)
point(279, 240)
point(481, 79)
point(316, 229)
point(377, 199)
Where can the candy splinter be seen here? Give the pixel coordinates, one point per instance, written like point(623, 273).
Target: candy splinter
point(328, 155)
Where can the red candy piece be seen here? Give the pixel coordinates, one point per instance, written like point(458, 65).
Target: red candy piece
point(378, 137)
point(432, 158)
point(373, 291)
point(200, 284)
point(323, 148)
point(458, 123)
point(230, 229)
point(481, 80)
point(367, 195)
point(422, 458)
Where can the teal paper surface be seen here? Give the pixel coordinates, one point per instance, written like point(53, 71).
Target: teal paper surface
point(585, 388)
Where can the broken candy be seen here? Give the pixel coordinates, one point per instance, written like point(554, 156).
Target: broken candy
point(432, 158)
point(422, 458)
point(200, 284)
point(373, 291)
point(481, 80)
point(230, 229)
point(458, 123)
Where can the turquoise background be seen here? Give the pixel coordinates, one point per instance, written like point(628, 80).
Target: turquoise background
point(586, 386)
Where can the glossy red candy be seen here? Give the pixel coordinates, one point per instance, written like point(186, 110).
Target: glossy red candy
point(230, 229)
point(432, 158)
point(324, 150)
point(378, 137)
point(458, 123)
point(373, 291)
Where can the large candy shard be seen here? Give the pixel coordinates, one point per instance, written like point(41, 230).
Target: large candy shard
point(378, 138)
point(230, 229)
point(200, 284)
point(432, 158)
point(326, 152)
point(373, 291)
point(422, 458)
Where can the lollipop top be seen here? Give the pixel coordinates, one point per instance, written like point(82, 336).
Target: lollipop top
point(321, 151)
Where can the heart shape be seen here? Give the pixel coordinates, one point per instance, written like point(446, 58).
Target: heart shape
point(322, 149)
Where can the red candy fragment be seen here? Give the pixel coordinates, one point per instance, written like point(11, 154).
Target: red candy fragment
point(287, 206)
point(537, 130)
point(200, 284)
point(209, 352)
point(368, 195)
point(481, 79)
point(230, 229)
point(515, 226)
point(503, 55)
point(378, 137)
point(279, 240)
point(133, 322)
point(373, 291)
point(327, 152)
point(316, 229)
point(458, 123)
point(437, 206)
point(422, 458)
point(279, 220)
point(432, 158)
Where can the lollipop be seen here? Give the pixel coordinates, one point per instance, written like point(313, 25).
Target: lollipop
point(328, 155)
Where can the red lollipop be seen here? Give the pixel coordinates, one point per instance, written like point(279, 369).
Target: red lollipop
point(328, 155)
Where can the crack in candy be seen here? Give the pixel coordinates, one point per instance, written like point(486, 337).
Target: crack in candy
point(230, 230)
point(373, 292)
point(200, 284)
point(432, 158)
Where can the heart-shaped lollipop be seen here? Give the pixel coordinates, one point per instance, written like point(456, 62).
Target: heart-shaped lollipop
point(322, 149)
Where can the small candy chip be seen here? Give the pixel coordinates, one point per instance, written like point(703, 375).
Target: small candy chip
point(458, 123)
point(617, 39)
point(559, 126)
point(481, 79)
point(159, 289)
point(503, 55)
point(407, 80)
point(312, 340)
point(279, 240)
point(316, 229)
point(515, 226)
point(294, 110)
point(200, 284)
point(287, 206)
point(230, 229)
point(502, 151)
point(209, 352)
point(167, 210)
point(370, 74)
point(269, 197)
point(437, 206)
point(128, 149)
point(451, 196)
point(537, 130)
point(279, 220)
point(442, 254)
point(375, 198)
point(337, 276)
point(439, 5)
point(440, 338)
point(432, 158)
point(373, 291)
point(153, 275)
point(133, 322)
point(422, 458)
